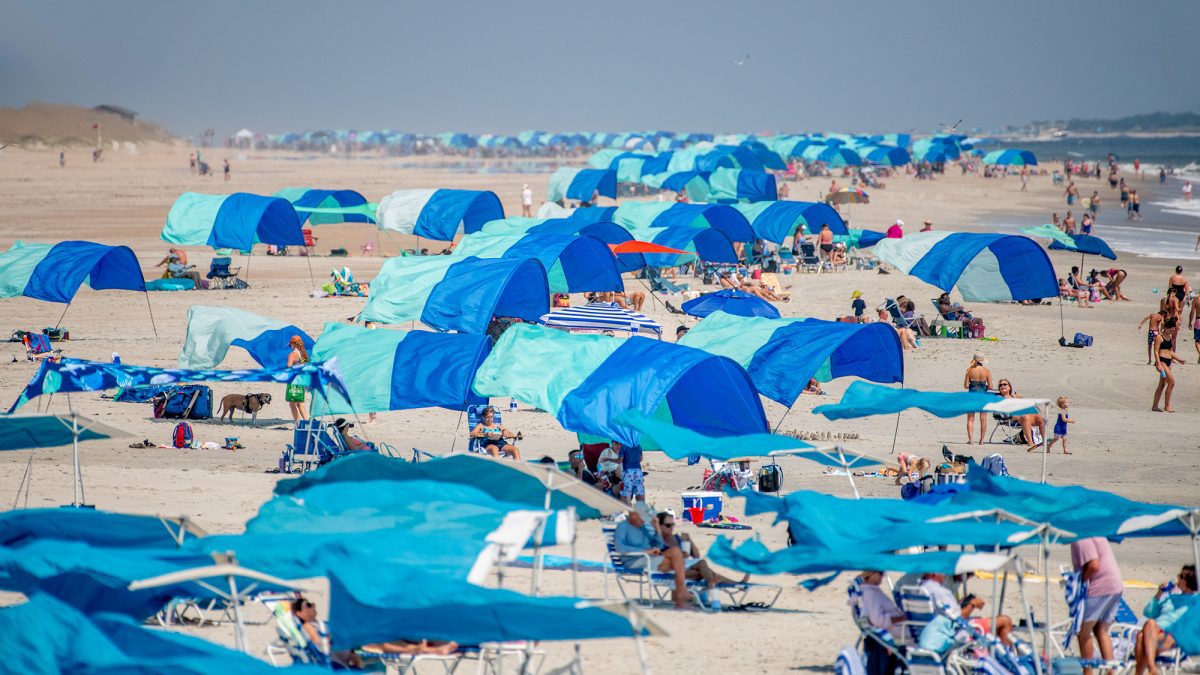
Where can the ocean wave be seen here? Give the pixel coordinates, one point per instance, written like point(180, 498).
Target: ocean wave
point(1180, 206)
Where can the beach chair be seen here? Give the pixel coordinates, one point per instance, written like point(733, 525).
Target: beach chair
point(660, 284)
point(313, 443)
point(809, 261)
point(292, 642)
point(898, 318)
point(221, 275)
point(367, 249)
point(474, 416)
point(344, 283)
point(1008, 427)
point(310, 242)
point(38, 347)
point(947, 325)
point(771, 281)
point(654, 586)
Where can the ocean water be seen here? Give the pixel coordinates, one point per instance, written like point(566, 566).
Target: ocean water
point(1181, 153)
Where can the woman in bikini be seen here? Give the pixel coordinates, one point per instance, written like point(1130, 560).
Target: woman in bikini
point(296, 392)
point(1027, 422)
point(1166, 379)
point(978, 379)
point(1156, 322)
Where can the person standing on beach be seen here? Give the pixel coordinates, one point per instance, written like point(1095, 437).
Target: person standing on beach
point(1162, 175)
point(978, 379)
point(1156, 321)
point(296, 392)
point(526, 201)
point(1024, 178)
point(192, 163)
point(1137, 165)
point(1071, 193)
point(1166, 378)
point(227, 174)
point(1069, 223)
point(1194, 322)
point(1094, 560)
point(1094, 205)
point(1056, 221)
point(1060, 425)
point(1124, 194)
point(1135, 206)
point(1187, 190)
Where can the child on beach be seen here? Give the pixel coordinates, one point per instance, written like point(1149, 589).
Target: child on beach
point(1060, 425)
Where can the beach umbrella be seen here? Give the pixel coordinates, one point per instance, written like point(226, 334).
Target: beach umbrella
point(1010, 157)
point(1085, 244)
point(730, 301)
point(848, 196)
point(601, 316)
point(21, 432)
point(1048, 231)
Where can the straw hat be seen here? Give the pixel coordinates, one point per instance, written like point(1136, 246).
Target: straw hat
point(979, 357)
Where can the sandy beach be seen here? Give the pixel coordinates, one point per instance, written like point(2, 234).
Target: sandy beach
point(1117, 444)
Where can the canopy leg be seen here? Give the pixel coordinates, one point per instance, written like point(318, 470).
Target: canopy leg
point(60, 318)
point(781, 419)
point(151, 312)
point(1045, 441)
point(1037, 662)
point(1062, 323)
point(26, 481)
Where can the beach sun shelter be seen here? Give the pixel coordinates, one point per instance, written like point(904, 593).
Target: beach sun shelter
point(776, 221)
point(604, 230)
point(581, 184)
point(984, 267)
point(438, 214)
point(573, 263)
point(311, 202)
point(54, 272)
point(21, 432)
point(211, 331)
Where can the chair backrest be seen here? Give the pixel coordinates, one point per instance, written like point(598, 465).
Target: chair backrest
point(937, 308)
point(220, 265)
point(918, 608)
point(308, 237)
point(314, 437)
point(807, 248)
point(616, 559)
point(854, 595)
point(37, 343)
point(474, 417)
point(893, 309)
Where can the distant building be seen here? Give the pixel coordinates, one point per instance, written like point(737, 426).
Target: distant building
point(116, 110)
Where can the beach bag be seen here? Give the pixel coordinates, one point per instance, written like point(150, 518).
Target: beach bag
point(1082, 340)
point(181, 437)
point(769, 478)
point(295, 393)
point(709, 278)
point(57, 334)
point(186, 402)
point(976, 329)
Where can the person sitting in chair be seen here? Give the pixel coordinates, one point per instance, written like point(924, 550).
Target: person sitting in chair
point(496, 436)
point(1162, 613)
point(353, 443)
point(178, 267)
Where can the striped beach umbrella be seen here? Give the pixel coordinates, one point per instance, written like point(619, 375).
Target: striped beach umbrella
point(602, 316)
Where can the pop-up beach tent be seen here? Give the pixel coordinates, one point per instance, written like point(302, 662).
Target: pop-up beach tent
point(776, 221)
point(581, 184)
point(720, 217)
point(54, 272)
point(211, 331)
point(984, 267)
point(705, 244)
point(303, 199)
point(460, 294)
point(586, 381)
point(741, 185)
point(573, 263)
point(237, 221)
point(604, 230)
point(438, 214)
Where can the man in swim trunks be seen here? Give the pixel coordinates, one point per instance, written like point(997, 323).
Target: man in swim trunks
point(826, 239)
point(1194, 322)
point(1072, 193)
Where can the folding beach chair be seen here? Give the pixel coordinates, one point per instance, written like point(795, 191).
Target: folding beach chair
point(809, 260)
point(221, 274)
point(898, 318)
point(38, 347)
point(474, 416)
point(948, 325)
point(310, 242)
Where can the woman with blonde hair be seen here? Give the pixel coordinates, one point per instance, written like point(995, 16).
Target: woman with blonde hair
point(978, 379)
point(296, 393)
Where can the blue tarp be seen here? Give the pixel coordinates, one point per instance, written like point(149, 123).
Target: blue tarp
point(447, 209)
point(245, 219)
point(984, 267)
point(54, 272)
point(588, 182)
point(862, 399)
point(211, 331)
point(314, 198)
point(730, 301)
point(1087, 244)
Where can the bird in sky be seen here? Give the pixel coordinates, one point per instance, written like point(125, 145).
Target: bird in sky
point(948, 129)
point(742, 61)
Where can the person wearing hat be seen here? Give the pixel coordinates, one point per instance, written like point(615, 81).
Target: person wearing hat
point(978, 379)
point(896, 231)
point(859, 306)
point(352, 443)
point(526, 201)
point(680, 332)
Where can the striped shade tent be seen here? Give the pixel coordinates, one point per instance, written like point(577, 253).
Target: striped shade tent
point(237, 221)
point(885, 155)
point(438, 214)
point(721, 217)
point(832, 155)
point(984, 267)
point(604, 230)
point(581, 184)
point(1010, 157)
point(304, 199)
point(573, 263)
point(695, 183)
point(703, 244)
point(602, 316)
point(211, 331)
point(775, 221)
point(936, 149)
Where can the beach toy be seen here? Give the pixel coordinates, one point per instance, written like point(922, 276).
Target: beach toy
point(1154, 290)
point(230, 442)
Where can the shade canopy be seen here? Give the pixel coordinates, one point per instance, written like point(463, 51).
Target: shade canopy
point(601, 316)
point(211, 331)
point(574, 263)
point(581, 184)
point(54, 272)
point(438, 214)
point(680, 443)
point(460, 294)
point(333, 200)
point(1086, 244)
point(399, 370)
point(886, 155)
point(721, 185)
point(585, 381)
point(863, 399)
point(730, 301)
point(723, 218)
point(604, 230)
point(782, 355)
point(984, 267)
point(705, 244)
point(24, 432)
point(237, 221)
point(776, 221)
point(1011, 156)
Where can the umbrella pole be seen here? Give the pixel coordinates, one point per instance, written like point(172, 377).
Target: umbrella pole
point(151, 312)
point(1049, 643)
point(1191, 520)
point(248, 263)
point(1062, 323)
point(239, 630)
point(23, 484)
point(1037, 663)
point(849, 474)
point(311, 278)
point(781, 419)
point(637, 638)
point(60, 318)
point(1045, 441)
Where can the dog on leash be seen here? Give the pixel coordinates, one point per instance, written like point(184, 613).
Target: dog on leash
point(247, 403)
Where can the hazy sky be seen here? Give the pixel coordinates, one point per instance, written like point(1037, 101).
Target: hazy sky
point(558, 65)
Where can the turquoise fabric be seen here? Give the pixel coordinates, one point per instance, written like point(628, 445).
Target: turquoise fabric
point(679, 443)
point(737, 337)
point(403, 287)
point(190, 220)
point(638, 215)
point(603, 158)
point(723, 184)
point(17, 265)
point(483, 245)
point(629, 169)
point(559, 182)
point(211, 330)
point(365, 360)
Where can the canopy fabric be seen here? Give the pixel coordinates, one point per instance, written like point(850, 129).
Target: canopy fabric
point(601, 316)
point(1011, 156)
point(74, 375)
point(585, 381)
point(776, 221)
point(509, 482)
point(706, 244)
point(573, 263)
point(211, 331)
point(741, 185)
point(325, 199)
point(236, 221)
point(984, 267)
point(863, 399)
point(460, 294)
point(1086, 244)
point(604, 230)
point(438, 214)
point(1048, 231)
point(679, 443)
point(581, 184)
point(886, 155)
point(834, 156)
point(23, 432)
point(782, 355)
point(399, 370)
point(54, 272)
point(730, 301)
point(89, 526)
point(726, 219)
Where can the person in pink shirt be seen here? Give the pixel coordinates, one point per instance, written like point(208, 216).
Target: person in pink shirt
point(896, 231)
point(1094, 559)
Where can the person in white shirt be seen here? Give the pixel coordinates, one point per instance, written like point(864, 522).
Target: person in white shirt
point(934, 584)
point(526, 201)
point(880, 612)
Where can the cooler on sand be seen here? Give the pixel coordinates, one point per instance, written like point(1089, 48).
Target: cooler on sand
point(701, 507)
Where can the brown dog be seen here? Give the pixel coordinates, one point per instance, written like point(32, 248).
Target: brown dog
point(247, 403)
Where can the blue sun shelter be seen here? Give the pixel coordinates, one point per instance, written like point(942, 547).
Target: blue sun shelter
point(581, 185)
point(55, 272)
point(386, 369)
point(984, 267)
point(1010, 157)
point(704, 244)
point(211, 331)
point(438, 214)
point(237, 221)
point(1085, 244)
point(782, 355)
point(449, 293)
point(606, 231)
point(695, 183)
point(741, 185)
point(776, 221)
point(334, 205)
point(730, 301)
point(574, 263)
point(587, 381)
point(720, 217)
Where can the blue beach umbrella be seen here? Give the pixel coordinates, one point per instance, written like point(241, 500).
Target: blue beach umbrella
point(1085, 244)
point(730, 301)
point(1010, 157)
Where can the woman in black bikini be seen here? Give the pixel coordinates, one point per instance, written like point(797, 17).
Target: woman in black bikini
point(1166, 379)
point(977, 379)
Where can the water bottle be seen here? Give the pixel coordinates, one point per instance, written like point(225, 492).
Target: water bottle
point(116, 358)
point(512, 404)
point(716, 603)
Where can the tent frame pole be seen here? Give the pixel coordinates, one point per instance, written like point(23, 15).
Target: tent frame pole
point(311, 279)
point(1025, 606)
point(64, 314)
point(150, 311)
point(1045, 441)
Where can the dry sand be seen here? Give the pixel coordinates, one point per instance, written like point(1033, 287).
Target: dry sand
point(1118, 444)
